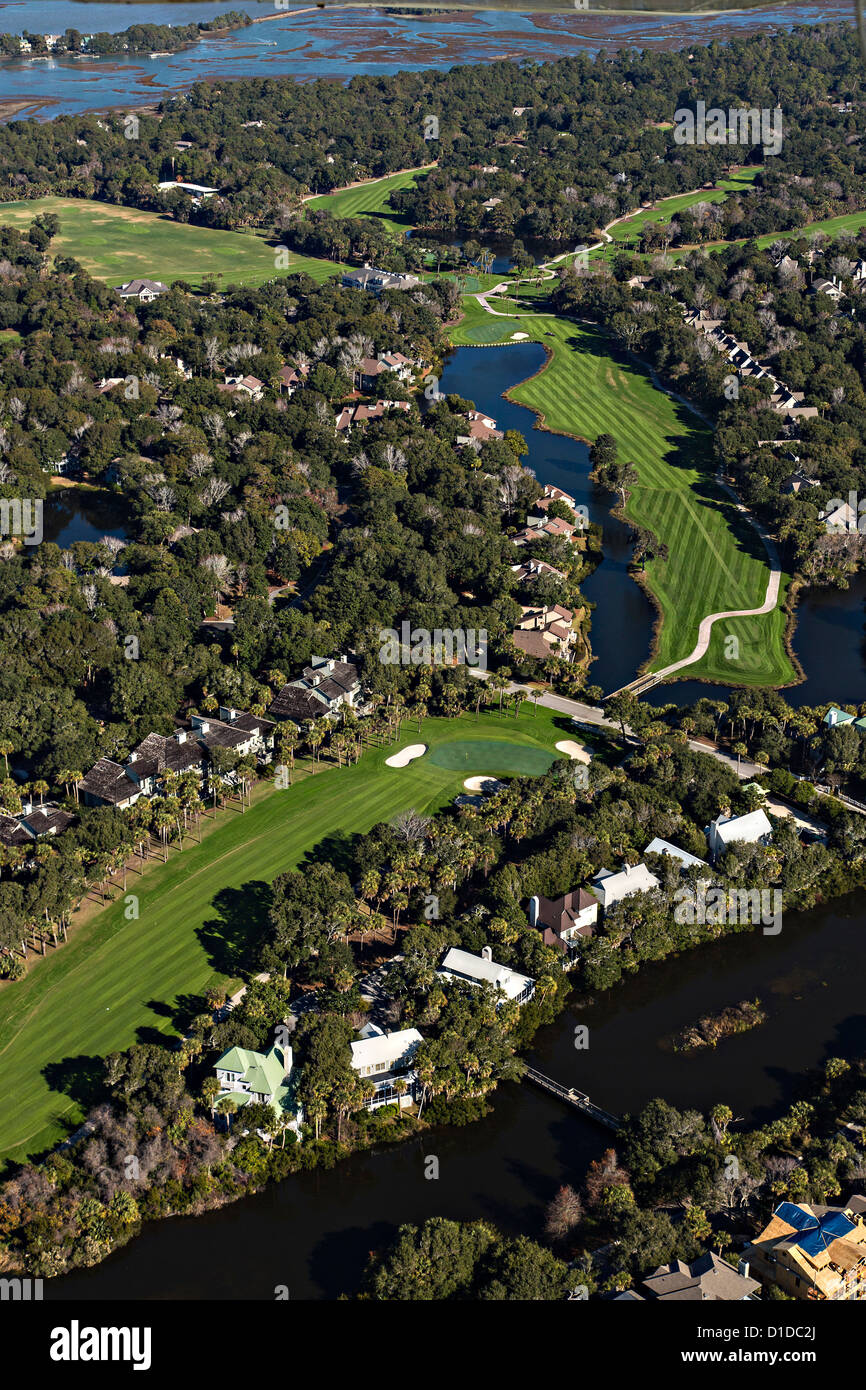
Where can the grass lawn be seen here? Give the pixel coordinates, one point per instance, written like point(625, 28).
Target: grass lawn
point(118, 243)
point(371, 199)
point(117, 982)
point(715, 561)
point(626, 234)
point(845, 222)
point(493, 756)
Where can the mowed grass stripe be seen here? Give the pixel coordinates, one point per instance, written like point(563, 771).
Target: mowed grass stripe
point(715, 562)
point(116, 244)
point(116, 981)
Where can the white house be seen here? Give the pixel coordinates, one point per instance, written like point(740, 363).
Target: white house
point(752, 829)
point(483, 969)
point(326, 686)
point(200, 190)
point(143, 290)
point(838, 517)
point(610, 888)
point(384, 1059)
point(687, 860)
point(263, 1078)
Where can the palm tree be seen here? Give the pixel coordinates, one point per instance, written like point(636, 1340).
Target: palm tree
point(288, 742)
point(316, 735)
point(6, 747)
point(741, 750)
point(40, 788)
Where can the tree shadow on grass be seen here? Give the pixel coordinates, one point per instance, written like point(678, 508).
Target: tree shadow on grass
point(82, 1078)
point(337, 849)
point(229, 939)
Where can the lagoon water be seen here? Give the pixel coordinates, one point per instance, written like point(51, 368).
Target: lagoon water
point(313, 1231)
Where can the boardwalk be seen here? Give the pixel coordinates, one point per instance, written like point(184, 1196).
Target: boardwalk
point(579, 1099)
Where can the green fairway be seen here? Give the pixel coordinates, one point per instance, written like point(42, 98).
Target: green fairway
point(716, 562)
point(117, 981)
point(118, 244)
point(491, 756)
point(626, 234)
point(845, 222)
point(371, 199)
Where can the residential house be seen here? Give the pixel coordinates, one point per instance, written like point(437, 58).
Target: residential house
point(539, 526)
point(369, 369)
point(109, 784)
point(832, 288)
point(160, 754)
point(839, 716)
point(753, 828)
point(839, 518)
point(545, 631)
point(243, 733)
point(531, 569)
point(707, 1279)
point(402, 367)
point(385, 1059)
point(797, 481)
point(291, 379)
point(263, 1078)
point(199, 192)
point(143, 290)
point(47, 819)
point(325, 687)
point(563, 921)
point(812, 1252)
point(610, 887)
point(352, 415)
point(13, 835)
point(686, 860)
point(375, 281)
point(245, 385)
point(484, 970)
point(554, 494)
point(481, 428)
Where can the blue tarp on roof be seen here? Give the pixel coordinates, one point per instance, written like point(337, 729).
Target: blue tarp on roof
point(816, 1232)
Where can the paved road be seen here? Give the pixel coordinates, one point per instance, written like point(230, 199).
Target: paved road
point(591, 714)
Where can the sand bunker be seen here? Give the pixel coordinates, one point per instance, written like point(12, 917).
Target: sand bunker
point(406, 755)
point(515, 337)
point(482, 784)
point(574, 750)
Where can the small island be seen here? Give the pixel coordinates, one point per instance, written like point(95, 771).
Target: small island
point(712, 1028)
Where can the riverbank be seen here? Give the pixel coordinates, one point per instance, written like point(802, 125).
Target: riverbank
point(313, 1230)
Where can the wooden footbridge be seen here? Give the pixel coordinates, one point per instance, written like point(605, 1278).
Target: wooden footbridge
point(579, 1099)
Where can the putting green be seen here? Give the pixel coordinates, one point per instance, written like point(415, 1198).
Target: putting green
point(492, 757)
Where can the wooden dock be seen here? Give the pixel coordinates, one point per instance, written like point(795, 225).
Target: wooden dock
point(579, 1099)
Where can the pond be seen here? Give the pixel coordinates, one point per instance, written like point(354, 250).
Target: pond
point(82, 514)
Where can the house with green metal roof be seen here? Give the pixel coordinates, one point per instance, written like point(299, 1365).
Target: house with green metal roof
point(835, 716)
point(263, 1078)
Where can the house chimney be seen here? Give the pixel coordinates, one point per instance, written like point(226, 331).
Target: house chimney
point(487, 953)
point(287, 1060)
point(534, 906)
point(180, 735)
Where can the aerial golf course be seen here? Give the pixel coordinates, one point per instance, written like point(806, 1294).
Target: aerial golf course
point(117, 982)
